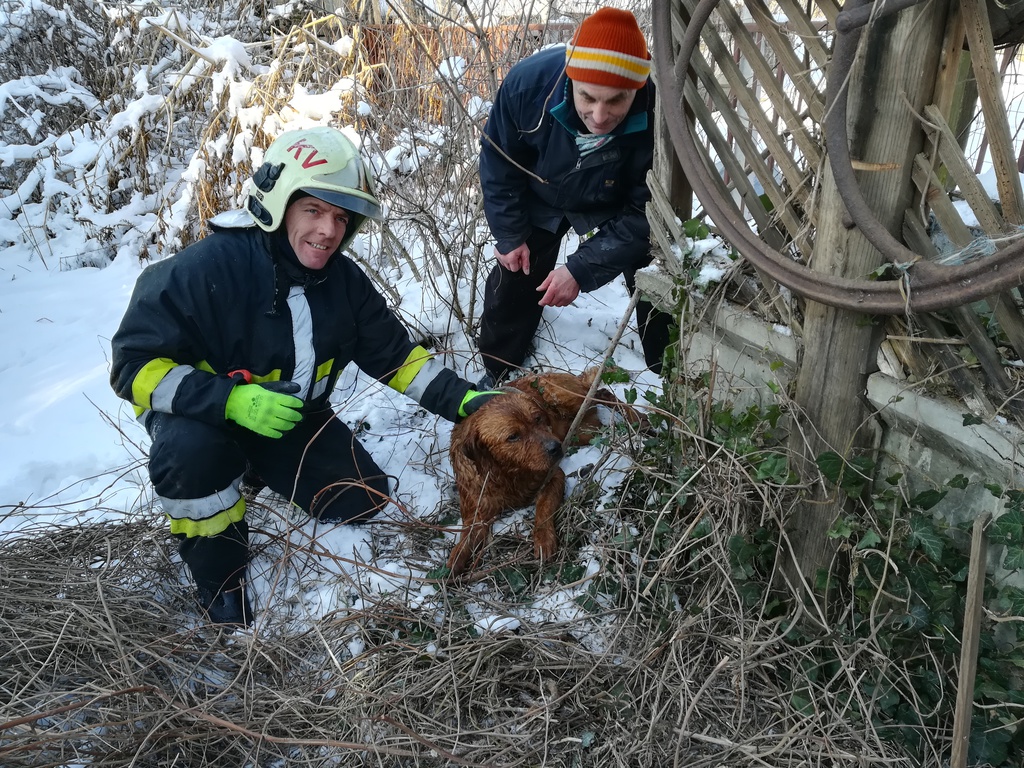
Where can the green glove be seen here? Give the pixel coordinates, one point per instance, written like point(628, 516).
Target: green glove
point(267, 409)
point(473, 400)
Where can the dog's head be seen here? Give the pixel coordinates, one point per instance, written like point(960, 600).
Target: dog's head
point(512, 431)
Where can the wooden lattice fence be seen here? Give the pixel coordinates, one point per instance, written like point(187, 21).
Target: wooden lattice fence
point(756, 95)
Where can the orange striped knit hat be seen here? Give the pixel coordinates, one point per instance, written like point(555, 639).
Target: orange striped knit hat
point(609, 49)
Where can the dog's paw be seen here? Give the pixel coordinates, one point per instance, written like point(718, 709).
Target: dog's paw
point(459, 560)
point(545, 544)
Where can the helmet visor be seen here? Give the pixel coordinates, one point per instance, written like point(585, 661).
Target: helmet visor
point(350, 203)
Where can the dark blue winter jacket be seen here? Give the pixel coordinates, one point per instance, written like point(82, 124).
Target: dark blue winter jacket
point(534, 122)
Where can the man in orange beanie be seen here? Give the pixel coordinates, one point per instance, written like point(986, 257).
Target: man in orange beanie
point(568, 143)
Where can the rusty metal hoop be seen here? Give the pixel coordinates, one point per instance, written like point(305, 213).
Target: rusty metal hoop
point(925, 286)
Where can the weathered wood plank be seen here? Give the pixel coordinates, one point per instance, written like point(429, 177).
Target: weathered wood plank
point(897, 63)
point(969, 644)
point(997, 128)
point(945, 213)
point(737, 172)
point(796, 70)
point(807, 30)
point(1004, 306)
point(758, 120)
point(952, 157)
point(830, 9)
point(765, 77)
point(952, 365)
point(751, 152)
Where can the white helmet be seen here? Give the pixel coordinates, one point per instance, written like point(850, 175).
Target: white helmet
point(320, 162)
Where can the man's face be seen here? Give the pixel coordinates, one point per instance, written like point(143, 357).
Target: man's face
point(601, 107)
point(315, 230)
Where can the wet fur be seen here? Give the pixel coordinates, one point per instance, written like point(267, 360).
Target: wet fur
point(505, 456)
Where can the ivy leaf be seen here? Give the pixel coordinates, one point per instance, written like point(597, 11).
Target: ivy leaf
point(695, 229)
point(750, 593)
point(1008, 528)
point(774, 467)
point(439, 573)
point(831, 466)
point(924, 535)
point(821, 579)
point(860, 470)
point(928, 499)
point(970, 419)
point(572, 572)
point(959, 482)
point(879, 272)
point(840, 529)
point(801, 703)
point(869, 540)
point(1014, 559)
point(1016, 499)
point(850, 475)
point(989, 689)
point(1011, 601)
point(514, 578)
point(915, 619)
point(989, 746)
point(613, 374)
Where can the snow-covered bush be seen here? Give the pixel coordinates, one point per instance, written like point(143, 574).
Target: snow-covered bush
point(125, 126)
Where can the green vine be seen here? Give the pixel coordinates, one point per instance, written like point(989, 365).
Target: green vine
point(908, 583)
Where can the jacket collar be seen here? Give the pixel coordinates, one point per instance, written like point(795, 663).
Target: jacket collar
point(292, 268)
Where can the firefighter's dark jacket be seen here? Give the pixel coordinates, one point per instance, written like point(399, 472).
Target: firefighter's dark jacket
point(224, 304)
point(533, 121)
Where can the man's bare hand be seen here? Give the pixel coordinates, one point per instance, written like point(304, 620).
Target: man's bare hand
point(516, 259)
point(560, 289)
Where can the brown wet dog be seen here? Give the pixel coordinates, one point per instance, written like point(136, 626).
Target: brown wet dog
point(506, 455)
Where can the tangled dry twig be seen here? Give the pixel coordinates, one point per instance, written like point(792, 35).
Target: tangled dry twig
point(657, 661)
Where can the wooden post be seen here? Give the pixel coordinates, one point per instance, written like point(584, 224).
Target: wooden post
point(969, 644)
point(892, 81)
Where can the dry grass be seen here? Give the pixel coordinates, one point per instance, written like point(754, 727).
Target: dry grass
point(653, 658)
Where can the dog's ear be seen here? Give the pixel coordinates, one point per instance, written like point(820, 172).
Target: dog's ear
point(474, 449)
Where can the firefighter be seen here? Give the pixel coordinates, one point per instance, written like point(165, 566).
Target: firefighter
point(230, 349)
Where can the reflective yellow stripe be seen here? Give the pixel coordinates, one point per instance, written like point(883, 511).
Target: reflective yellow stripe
point(324, 369)
point(274, 375)
point(209, 526)
point(148, 378)
point(417, 358)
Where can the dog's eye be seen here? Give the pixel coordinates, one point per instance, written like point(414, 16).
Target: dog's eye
point(538, 418)
point(513, 438)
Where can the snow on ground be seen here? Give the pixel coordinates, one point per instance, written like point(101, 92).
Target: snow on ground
point(74, 454)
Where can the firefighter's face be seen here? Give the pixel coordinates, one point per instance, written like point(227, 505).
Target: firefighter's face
point(601, 107)
point(315, 230)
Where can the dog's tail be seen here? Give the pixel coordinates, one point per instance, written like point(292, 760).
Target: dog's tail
point(606, 397)
point(588, 376)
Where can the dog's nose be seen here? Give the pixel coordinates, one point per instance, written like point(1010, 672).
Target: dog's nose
point(553, 448)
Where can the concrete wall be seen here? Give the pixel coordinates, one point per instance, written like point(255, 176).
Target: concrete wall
point(918, 435)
